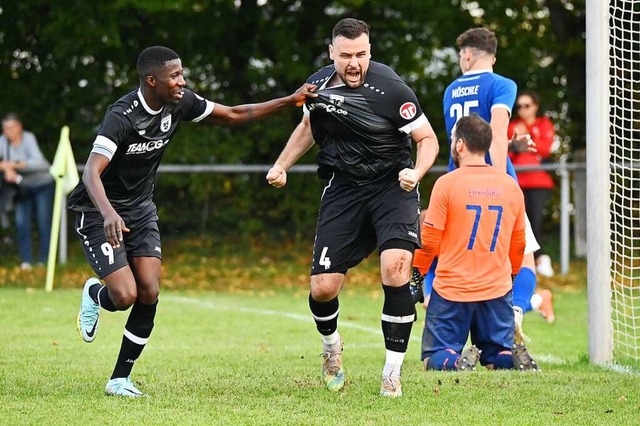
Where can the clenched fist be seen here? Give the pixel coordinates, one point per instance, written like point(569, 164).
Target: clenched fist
point(277, 176)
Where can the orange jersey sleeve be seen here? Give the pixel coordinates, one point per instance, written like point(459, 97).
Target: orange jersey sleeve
point(423, 257)
point(516, 251)
point(478, 208)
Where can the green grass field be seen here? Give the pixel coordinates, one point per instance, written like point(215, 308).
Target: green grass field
point(239, 348)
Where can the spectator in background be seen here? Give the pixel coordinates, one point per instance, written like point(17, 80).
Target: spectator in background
point(7, 194)
point(23, 165)
point(536, 184)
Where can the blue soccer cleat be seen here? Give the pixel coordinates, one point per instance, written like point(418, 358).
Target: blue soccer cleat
point(89, 313)
point(123, 386)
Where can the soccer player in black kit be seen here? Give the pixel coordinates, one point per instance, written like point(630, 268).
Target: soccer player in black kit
point(116, 219)
point(363, 121)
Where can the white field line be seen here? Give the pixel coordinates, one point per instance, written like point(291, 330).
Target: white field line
point(544, 358)
point(268, 312)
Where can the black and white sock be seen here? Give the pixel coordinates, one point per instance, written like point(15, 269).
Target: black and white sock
point(398, 314)
point(136, 334)
point(100, 294)
point(325, 314)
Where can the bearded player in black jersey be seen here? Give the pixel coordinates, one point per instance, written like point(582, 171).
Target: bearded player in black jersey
point(363, 120)
point(116, 218)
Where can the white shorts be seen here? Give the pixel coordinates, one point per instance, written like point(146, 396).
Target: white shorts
point(531, 245)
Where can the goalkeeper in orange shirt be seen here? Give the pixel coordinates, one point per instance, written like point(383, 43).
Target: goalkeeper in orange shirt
point(475, 224)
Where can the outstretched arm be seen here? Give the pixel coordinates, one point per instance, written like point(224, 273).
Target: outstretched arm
point(240, 114)
point(499, 143)
point(300, 141)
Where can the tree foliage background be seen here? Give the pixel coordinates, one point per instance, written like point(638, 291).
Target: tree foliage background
point(65, 62)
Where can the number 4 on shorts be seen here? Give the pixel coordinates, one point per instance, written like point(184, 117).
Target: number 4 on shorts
point(324, 260)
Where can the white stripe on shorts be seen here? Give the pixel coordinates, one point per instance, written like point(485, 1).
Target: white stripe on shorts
point(327, 187)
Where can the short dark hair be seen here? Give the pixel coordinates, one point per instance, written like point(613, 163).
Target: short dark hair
point(478, 38)
point(350, 28)
point(11, 116)
point(530, 93)
point(475, 132)
point(153, 58)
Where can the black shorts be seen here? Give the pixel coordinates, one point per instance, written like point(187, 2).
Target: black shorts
point(142, 240)
point(354, 220)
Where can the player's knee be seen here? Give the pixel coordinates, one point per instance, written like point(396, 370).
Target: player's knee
point(503, 361)
point(148, 295)
point(325, 287)
point(443, 360)
point(123, 297)
point(396, 258)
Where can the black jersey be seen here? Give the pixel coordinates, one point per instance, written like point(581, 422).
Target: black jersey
point(363, 133)
point(134, 138)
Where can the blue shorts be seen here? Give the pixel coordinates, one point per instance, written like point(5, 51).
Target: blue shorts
point(448, 325)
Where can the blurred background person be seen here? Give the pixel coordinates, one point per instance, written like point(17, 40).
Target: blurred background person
point(23, 165)
point(537, 185)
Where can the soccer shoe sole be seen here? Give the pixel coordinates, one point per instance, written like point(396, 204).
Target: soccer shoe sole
point(469, 359)
point(522, 360)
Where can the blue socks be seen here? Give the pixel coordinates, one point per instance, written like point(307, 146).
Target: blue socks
point(523, 288)
point(444, 360)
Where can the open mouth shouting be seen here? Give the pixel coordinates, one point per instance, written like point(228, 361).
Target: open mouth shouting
point(353, 77)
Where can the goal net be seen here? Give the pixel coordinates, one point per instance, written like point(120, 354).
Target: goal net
point(613, 115)
point(624, 121)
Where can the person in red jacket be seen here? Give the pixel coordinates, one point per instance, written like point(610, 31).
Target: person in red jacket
point(536, 185)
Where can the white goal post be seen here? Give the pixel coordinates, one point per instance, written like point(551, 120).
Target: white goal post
point(613, 179)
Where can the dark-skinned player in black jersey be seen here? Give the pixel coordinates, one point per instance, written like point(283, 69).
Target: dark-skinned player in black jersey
point(363, 121)
point(116, 218)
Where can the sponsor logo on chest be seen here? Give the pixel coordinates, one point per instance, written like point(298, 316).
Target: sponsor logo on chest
point(330, 108)
point(144, 147)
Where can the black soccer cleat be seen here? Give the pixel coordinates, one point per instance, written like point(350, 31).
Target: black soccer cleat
point(469, 359)
point(522, 361)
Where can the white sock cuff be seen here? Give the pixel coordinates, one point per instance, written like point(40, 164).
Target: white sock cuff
point(331, 339)
point(536, 302)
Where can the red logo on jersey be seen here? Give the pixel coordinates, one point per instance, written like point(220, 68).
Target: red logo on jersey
point(408, 110)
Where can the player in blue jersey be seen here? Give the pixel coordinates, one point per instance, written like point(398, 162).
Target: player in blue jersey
point(479, 90)
point(117, 220)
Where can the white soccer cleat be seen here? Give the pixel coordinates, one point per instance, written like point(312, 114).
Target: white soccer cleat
point(391, 387)
point(123, 386)
point(89, 313)
point(332, 371)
